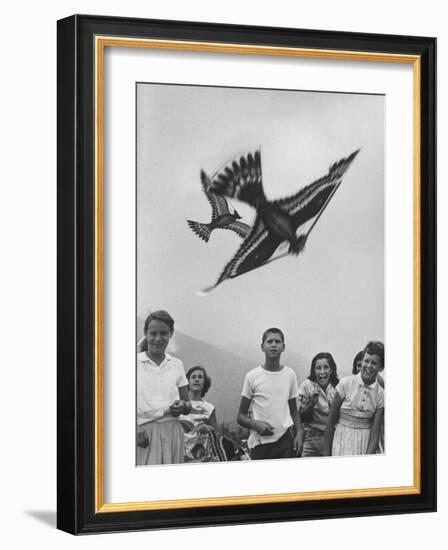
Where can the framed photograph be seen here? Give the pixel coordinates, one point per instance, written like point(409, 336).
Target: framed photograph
point(246, 252)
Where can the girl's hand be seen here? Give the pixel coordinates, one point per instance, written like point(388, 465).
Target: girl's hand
point(314, 398)
point(142, 439)
point(262, 427)
point(177, 407)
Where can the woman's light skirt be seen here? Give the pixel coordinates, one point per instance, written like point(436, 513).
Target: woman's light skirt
point(165, 443)
point(350, 441)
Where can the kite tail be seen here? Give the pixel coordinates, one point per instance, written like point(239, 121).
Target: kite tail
point(202, 230)
point(242, 180)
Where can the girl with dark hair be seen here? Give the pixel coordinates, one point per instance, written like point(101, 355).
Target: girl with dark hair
point(357, 413)
point(202, 411)
point(357, 362)
point(203, 443)
point(316, 395)
point(202, 418)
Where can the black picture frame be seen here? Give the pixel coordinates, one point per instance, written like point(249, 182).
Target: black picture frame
point(78, 511)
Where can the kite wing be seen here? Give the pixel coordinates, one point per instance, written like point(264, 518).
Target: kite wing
point(240, 228)
point(253, 252)
point(310, 200)
point(218, 203)
point(241, 179)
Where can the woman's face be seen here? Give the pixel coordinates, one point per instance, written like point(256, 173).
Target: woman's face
point(371, 366)
point(322, 370)
point(358, 365)
point(157, 335)
point(196, 381)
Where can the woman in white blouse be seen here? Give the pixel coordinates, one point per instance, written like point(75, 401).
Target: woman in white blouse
point(357, 413)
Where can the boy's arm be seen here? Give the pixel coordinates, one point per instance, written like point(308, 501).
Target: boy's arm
point(263, 428)
point(375, 431)
point(331, 423)
point(295, 415)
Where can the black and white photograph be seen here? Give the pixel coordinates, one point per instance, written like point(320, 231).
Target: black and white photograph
point(256, 182)
point(260, 274)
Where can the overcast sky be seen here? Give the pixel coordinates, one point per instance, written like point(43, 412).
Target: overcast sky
point(331, 297)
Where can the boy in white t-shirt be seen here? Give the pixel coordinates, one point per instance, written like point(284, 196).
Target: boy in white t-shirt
point(275, 426)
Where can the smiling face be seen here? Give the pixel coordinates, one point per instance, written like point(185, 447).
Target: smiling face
point(157, 336)
point(370, 367)
point(196, 381)
point(322, 371)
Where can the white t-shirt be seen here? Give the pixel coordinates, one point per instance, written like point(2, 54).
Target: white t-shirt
point(269, 392)
point(157, 386)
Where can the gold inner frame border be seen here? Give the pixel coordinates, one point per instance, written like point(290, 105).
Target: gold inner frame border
point(100, 44)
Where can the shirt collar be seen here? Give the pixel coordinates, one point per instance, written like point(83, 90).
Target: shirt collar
point(369, 386)
point(324, 391)
point(145, 359)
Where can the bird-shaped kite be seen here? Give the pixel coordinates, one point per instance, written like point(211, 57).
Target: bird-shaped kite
point(221, 218)
point(276, 221)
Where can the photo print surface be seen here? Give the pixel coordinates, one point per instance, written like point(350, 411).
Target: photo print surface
point(260, 274)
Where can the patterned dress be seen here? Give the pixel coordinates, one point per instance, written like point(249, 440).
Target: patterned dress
point(199, 415)
point(202, 442)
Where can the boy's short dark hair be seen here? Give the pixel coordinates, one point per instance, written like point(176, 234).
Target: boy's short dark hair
point(375, 348)
point(160, 315)
point(275, 331)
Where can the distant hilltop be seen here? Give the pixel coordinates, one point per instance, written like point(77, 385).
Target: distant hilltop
point(226, 369)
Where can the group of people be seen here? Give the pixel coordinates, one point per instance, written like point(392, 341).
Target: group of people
point(323, 416)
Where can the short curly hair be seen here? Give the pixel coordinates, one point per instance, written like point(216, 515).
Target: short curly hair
point(207, 379)
point(375, 348)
